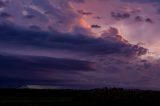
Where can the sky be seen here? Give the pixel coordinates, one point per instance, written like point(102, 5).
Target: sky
point(80, 44)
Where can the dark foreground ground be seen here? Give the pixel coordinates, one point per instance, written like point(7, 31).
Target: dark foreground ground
point(27, 97)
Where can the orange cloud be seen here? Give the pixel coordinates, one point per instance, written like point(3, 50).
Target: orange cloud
point(84, 23)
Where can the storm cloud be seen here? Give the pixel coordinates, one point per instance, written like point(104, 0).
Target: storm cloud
point(118, 16)
point(33, 63)
point(47, 42)
point(13, 35)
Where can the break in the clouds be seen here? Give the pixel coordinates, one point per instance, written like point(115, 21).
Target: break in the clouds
point(79, 43)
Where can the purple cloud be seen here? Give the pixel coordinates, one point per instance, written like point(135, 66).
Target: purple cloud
point(49, 43)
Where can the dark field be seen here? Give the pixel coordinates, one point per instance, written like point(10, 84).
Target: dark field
point(27, 97)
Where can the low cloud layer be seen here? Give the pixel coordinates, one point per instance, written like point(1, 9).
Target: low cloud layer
point(30, 69)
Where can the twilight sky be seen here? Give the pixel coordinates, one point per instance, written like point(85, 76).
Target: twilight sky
point(80, 43)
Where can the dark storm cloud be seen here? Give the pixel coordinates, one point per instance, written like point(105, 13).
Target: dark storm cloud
point(84, 12)
point(29, 16)
point(19, 82)
point(18, 70)
point(118, 15)
point(2, 4)
point(78, 1)
point(148, 20)
point(34, 27)
point(12, 35)
point(5, 15)
point(142, 19)
point(9, 63)
point(95, 26)
point(97, 17)
point(139, 19)
point(12, 82)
